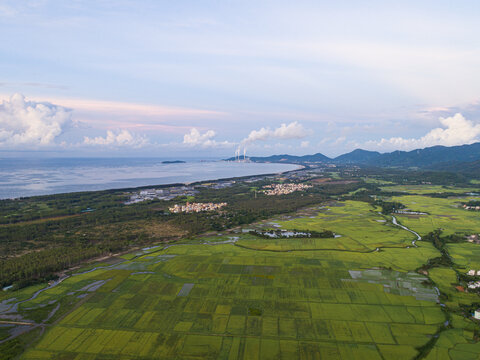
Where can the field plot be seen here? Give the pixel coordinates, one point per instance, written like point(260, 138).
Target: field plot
point(466, 255)
point(446, 214)
point(428, 189)
point(358, 225)
point(458, 341)
point(224, 301)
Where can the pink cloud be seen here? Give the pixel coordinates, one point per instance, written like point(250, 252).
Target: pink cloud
point(115, 114)
point(115, 107)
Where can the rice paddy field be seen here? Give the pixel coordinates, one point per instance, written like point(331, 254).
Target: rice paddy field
point(239, 296)
point(224, 301)
point(358, 225)
point(465, 255)
point(428, 189)
point(442, 213)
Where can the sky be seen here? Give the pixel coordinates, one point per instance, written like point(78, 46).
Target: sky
point(210, 78)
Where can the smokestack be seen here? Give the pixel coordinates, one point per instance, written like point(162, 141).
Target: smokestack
point(244, 153)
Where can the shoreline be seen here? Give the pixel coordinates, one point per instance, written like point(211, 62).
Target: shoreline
point(298, 167)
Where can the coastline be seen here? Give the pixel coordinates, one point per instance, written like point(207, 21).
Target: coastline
point(83, 188)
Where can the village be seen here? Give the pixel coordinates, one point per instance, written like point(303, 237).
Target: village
point(171, 192)
point(196, 207)
point(283, 189)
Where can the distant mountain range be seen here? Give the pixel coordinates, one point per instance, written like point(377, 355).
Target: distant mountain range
point(435, 157)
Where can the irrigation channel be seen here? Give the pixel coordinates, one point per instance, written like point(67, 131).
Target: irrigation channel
point(394, 221)
point(7, 309)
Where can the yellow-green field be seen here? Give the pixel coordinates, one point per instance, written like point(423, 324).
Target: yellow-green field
point(356, 296)
point(446, 214)
point(244, 304)
point(360, 226)
point(428, 189)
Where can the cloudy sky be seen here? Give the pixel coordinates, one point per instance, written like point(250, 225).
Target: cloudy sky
point(206, 78)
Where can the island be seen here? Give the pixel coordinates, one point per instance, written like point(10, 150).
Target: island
point(173, 162)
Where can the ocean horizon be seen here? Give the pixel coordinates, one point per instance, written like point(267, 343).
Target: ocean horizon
point(24, 177)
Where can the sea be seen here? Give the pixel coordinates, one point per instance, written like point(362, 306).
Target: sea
point(22, 177)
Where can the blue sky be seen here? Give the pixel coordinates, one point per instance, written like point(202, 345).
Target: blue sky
point(209, 77)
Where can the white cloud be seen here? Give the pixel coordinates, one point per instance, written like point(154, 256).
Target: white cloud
point(340, 140)
point(122, 138)
point(25, 122)
point(195, 138)
point(294, 130)
point(305, 144)
point(456, 131)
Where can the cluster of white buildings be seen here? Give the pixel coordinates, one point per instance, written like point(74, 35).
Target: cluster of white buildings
point(474, 284)
point(283, 189)
point(474, 238)
point(196, 207)
point(476, 208)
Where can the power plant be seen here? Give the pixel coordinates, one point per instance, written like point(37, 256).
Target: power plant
point(238, 156)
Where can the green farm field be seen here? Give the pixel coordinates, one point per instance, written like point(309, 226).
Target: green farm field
point(428, 189)
point(443, 213)
point(239, 296)
point(359, 225)
point(241, 303)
